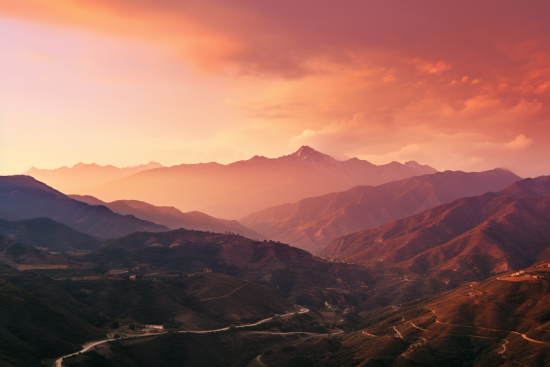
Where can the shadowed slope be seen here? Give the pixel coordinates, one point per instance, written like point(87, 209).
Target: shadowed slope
point(25, 197)
point(32, 329)
point(171, 217)
point(16, 254)
point(290, 271)
point(45, 232)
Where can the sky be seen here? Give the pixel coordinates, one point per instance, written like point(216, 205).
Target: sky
point(460, 85)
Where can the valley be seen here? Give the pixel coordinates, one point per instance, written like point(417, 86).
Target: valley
point(413, 290)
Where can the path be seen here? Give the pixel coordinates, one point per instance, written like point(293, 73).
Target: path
point(484, 328)
point(225, 295)
point(303, 310)
point(259, 360)
point(398, 333)
point(86, 347)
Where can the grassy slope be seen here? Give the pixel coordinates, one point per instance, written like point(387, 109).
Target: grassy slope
point(32, 329)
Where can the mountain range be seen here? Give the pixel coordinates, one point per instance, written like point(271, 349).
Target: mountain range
point(171, 217)
point(24, 197)
point(234, 190)
point(312, 223)
point(82, 176)
point(48, 234)
point(468, 239)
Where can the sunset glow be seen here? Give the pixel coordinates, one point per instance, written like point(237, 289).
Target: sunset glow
point(455, 85)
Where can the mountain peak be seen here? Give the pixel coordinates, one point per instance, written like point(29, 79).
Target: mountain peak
point(306, 152)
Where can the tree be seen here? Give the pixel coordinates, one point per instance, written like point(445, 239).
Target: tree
point(115, 325)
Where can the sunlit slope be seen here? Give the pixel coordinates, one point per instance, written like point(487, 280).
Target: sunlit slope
point(314, 222)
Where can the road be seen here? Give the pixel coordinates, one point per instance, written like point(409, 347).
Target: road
point(303, 310)
point(484, 328)
point(86, 347)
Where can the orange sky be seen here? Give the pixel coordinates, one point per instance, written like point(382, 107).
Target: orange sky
point(454, 84)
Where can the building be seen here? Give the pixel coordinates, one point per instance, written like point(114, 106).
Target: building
point(154, 328)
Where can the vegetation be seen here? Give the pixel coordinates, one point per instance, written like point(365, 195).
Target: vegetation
point(45, 232)
point(32, 329)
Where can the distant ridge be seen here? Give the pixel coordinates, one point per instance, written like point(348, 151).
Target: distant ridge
point(49, 234)
point(83, 175)
point(27, 198)
point(172, 217)
point(234, 190)
point(312, 223)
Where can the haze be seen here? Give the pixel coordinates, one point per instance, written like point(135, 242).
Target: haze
point(455, 85)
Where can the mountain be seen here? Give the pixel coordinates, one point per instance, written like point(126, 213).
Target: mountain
point(171, 217)
point(26, 198)
point(201, 301)
point(81, 176)
point(502, 321)
point(32, 329)
point(291, 272)
point(528, 187)
point(16, 255)
point(468, 239)
point(314, 222)
point(49, 234)
point(237, 189)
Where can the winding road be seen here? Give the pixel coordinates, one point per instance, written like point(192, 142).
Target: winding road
point(86, 347)
point(484, 328)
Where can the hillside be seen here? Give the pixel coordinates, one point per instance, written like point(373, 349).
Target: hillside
point(16, 255)
point(499, 322)
point(529, 187)
point(468, 239)
point(26, 198)
point(32, 329)
point(314, 222)
point(82, 176)
point(49, 234)
point(171, 217)
point(195, 302)
point(240, 188)
point(293, 273)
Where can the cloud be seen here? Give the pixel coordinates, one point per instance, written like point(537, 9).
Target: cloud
point(461, 84)
point(436, 68)
point(521, 142)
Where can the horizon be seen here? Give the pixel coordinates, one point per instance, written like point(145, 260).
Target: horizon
point(245, 159)
point(456, 86)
